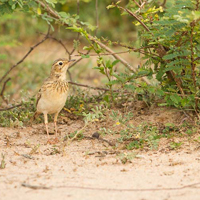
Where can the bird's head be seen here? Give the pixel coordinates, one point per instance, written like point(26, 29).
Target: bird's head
point(60, 67)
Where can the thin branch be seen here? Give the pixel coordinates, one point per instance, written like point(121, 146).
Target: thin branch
point(137, 3)
point(10, 108)
point(90, 87)
point(140, 50)
point(101, 54)
point(3, 89)
point(78, 35)
point(78, 7)
point(19, 62)
point(97, 16)
point(135, 16)
point(112, 52)
point(197, 5)
point(163, 3)
point(59, 41)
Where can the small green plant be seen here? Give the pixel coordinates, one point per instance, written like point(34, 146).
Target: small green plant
point(97, 114)
point(126, 157)
point(18, 116)
point(139, 136)
point(175, 145)
point(55, 151)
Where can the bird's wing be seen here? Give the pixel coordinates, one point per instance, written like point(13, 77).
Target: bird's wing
point(38, 97)
point(43, 89)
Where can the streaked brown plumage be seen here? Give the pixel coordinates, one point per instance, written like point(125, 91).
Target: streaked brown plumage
point(52, 96)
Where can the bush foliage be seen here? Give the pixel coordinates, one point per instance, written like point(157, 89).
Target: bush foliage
point(167, 39)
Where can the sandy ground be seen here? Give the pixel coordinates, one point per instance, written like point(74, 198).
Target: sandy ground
point(91, 169)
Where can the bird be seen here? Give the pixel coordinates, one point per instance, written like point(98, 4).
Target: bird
point(53, 94)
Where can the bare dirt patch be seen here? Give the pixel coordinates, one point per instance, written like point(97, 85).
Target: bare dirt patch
point(93, 169)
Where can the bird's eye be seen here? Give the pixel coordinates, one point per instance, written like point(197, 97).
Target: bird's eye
point(60, 63)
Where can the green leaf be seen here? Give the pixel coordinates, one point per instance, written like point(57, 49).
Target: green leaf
point(52, 2)
point(85, 56)
point(115, 62)
point(87, 48)
point(110, 6)
point(175, 98)
point(64, 14)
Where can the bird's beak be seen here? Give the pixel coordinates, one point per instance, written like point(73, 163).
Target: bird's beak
point(73, 60)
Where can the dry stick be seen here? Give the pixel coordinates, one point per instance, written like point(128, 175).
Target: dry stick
point(191, 186)
point(34, 187)
point(9, 108)
point(19, 62)
point(3, 89)
point(91, 87)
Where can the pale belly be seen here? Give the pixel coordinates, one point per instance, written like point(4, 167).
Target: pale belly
point(52, 102)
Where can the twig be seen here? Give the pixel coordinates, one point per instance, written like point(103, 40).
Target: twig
point(78, 7)
point(163, 3)
point(97, 16)
point(74, 63)
point(137, 3)
point(87, 86)
point(9, 108)
point(3, 89)
point(135, 16)
point(140, 50)
point(197, 5)
point(60, 42)
point(35, 187)
point(191, 186)
point(31, 49)
point(101, 54)
point(112, 53)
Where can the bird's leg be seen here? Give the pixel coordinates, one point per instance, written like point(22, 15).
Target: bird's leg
point(55, 124)
point(46, 124)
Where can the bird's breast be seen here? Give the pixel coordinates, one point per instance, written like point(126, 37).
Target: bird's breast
point(53, 98)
